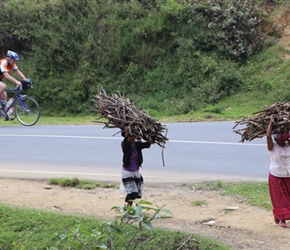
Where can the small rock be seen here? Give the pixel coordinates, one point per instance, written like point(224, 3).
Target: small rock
point(210, 223)
point(232, 208)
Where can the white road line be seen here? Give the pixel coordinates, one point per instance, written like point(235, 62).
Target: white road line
point(220, 143)
point(119, 138)
point(62, 136)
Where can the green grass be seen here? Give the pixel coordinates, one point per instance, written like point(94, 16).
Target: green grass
point(66, 120)
point(198, 203)
point(82, 184)
point(232, 108)
point(91, 120)
point(252, 193)
point(217, 185)
point(34, 229)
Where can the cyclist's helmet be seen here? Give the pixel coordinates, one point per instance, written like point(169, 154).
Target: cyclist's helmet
point(13, 55)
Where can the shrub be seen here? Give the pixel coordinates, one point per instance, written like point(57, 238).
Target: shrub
point(171, 51)
point(236, 25)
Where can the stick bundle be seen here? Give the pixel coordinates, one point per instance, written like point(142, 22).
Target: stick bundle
point(256, 126)
point(120, 112)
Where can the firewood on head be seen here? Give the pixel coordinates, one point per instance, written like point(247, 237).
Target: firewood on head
point(256, 126)
point(121, 112)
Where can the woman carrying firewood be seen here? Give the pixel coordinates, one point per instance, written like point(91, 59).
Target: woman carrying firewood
point(132, 161)
point(279, 175)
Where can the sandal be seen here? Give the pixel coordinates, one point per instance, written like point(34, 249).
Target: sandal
point(283, 224)
point(277, 221)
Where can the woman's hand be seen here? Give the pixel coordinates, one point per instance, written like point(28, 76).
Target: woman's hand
point(127, 131)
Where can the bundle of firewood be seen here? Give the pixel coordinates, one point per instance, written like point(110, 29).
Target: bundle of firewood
point(121, 112)
point(256, 126)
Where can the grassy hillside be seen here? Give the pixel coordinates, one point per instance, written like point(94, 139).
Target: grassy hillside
point(195, 60)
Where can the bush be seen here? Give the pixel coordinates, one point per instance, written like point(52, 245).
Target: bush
point(171, 51)
point(236, 25)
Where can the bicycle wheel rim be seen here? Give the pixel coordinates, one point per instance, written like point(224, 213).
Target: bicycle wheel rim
point(27, 111)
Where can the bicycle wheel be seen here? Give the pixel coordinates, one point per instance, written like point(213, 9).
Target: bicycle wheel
point(27, 110)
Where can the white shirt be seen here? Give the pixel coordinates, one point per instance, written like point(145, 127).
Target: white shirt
point(280, 161)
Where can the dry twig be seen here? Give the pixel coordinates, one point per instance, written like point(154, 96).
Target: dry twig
point(256, 126)
point(121, 112)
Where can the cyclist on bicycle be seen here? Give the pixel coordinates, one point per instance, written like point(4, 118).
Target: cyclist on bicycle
point(6, 65)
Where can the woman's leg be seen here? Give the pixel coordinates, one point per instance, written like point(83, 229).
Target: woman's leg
point(279, 189)
point(133, 183)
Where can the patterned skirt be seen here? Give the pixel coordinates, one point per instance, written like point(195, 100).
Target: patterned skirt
point(279, 188)
point(133, 183)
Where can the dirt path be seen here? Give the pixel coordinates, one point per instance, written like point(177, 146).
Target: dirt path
point(244, 227)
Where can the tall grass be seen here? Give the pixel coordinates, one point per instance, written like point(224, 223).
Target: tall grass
point(168, 53)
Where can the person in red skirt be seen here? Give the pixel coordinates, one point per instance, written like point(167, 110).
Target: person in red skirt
point(279, 175)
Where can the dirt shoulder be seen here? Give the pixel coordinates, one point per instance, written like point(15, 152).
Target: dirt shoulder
point(224, 218)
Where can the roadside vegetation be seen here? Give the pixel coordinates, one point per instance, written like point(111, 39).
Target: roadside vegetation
point(183, 59)
point(190, 60)
point(77, 183)
point(131, 228)
point(252, 193)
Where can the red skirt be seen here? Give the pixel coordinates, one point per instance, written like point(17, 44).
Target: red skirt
point(279, 188)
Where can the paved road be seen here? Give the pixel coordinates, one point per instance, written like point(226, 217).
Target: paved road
point(195, 151)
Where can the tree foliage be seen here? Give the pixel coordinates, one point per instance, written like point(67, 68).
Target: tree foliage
point(236, 25)
point(165, 50)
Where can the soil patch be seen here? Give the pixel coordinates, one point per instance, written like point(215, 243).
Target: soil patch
point(226, 219)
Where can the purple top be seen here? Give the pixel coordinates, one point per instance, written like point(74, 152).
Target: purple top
point(134, 166)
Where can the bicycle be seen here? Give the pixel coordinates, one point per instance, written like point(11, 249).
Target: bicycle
point(26, 108)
